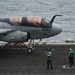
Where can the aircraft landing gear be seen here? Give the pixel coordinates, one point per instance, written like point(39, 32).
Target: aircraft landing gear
point(29, 50)
point(30, 47)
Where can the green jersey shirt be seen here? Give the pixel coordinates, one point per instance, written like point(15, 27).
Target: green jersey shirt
point(48, 55)
point(71, 53)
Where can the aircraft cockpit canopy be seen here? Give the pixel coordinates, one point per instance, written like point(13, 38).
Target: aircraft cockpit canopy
point(27, 21)
point(44, 22)
point(30, 21)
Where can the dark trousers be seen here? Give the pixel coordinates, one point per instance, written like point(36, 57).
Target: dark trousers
point(71, 61)
point(49, 63)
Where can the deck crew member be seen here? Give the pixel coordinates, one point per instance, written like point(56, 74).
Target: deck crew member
point(49, 58)
point(71, 57)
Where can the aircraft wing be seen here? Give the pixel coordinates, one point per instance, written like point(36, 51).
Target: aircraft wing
point(3, 31)
point(2, 43)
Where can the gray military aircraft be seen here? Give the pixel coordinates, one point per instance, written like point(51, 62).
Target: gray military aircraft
point(21, 29)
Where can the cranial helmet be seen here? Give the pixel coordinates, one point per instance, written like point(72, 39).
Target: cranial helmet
point(70, 49)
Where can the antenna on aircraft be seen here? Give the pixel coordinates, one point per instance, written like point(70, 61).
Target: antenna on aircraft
point(52, 20)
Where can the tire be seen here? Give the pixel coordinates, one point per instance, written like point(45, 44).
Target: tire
point(29, 50)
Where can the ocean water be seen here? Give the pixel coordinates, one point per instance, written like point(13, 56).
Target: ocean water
point(44, 8)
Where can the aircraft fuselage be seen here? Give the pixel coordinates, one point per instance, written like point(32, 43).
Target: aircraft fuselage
point(30, 27)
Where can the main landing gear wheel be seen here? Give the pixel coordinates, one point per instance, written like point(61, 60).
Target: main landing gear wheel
point(29, 50)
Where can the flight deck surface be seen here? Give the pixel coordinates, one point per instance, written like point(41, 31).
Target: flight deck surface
point(19, 62)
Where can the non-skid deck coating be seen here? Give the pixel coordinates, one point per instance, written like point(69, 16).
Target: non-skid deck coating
point(17, 61)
